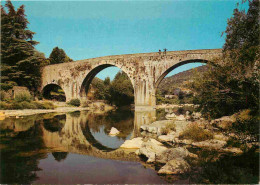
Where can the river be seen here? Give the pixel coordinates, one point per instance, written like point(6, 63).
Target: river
point(57, 148)
point(71, 148)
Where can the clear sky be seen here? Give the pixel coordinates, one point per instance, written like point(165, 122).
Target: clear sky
point(87, 29)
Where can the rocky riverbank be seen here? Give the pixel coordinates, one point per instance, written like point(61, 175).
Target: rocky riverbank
point(170, 143)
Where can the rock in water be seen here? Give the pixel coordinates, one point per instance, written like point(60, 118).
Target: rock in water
point(133, 143)
point(175, 166)
point(174, 153)
point(150, 149)
point(113, 131)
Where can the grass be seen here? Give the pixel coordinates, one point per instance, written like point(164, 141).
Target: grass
point(195, 133)
point(168, 128)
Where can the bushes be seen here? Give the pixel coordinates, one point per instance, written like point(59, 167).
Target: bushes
point(25, 96)
point(195, 133)
point(25, 105)
point(74, 102)
point(168, 128)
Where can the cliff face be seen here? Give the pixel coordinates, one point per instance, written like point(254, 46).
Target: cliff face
point(178, 81)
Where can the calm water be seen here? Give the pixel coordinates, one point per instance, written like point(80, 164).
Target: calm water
point(76, 148)
point(71, 148)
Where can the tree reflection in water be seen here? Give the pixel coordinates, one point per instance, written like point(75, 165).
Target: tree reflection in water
point(59, 156)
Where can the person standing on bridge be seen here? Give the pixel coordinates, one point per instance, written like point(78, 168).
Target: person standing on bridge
point(164, 51)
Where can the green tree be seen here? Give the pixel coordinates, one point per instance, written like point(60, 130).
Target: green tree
point(107, 81)
point(121, 90)
point(58, 56)
point(20, 61)
point(232, 82)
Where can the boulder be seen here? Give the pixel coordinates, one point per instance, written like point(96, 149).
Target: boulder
point(150, 149)
point(233, 150)
point(173, 153)
point(196, 115)
point(182, 141)
point(175, 166)
point(155, 127)
point(133, 143)
point(211, 144)
point(223, 122)
point(180, 118)
point(166, 138)
point(220, 137)
point(113, 131)
point(170, 116)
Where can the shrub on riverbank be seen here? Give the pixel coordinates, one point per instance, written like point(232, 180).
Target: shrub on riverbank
point(195, 133)
point(14, 105)
point(24, 96)
point(168, 128)
point(74, 102)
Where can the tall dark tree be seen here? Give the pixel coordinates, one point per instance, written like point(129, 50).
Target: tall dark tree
point(58, 56)
point(20, 61)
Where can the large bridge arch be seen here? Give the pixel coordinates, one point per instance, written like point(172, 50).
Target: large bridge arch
point(91, 75)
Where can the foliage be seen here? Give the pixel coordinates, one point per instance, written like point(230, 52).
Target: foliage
point(7, 85)
point(168, 128)
point(247, 124)
point(23, 96)
point(20, 61)
point(119, 92)
point(195, 133)
point(14, 105)
point(239, 169)
point(2, 95)
point(58, 56)
point(74, 102)
point(232, 82)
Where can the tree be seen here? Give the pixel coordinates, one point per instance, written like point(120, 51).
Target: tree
point(58, 56)
point(121, 90)
point(20, 61)
point(107, 81)
point(232, 82)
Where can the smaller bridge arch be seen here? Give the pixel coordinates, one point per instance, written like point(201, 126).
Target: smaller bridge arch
point(52, 86)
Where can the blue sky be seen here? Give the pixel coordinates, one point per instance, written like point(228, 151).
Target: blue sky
point(87, 29)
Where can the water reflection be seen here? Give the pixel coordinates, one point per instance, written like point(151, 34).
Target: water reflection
point(27, 144)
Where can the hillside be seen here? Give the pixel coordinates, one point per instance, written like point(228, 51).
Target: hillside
point(169, 84)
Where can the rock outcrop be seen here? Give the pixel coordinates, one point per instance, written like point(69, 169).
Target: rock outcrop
point(151, 149)
point(174, 153)
point(135, 143)
point(175, 166)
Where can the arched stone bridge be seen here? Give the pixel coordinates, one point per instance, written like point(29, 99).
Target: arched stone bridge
point(145, 70)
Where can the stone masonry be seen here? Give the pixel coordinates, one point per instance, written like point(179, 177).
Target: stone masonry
point(145, 70)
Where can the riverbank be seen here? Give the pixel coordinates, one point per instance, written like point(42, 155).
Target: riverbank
point(61, 107)
point(183, 144)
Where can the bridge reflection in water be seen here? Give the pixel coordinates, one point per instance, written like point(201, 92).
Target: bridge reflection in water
point(75, 132)
point(29, 146)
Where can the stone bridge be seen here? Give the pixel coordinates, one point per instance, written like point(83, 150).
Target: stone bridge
point(145, 70)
